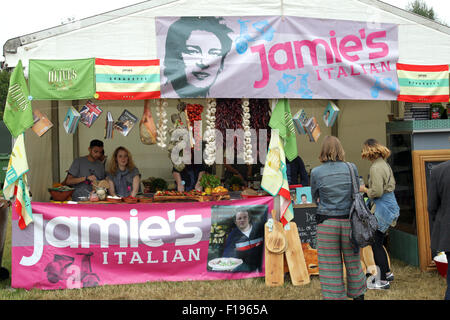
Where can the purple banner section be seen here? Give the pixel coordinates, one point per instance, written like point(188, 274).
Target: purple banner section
point(277, 57)
point(75, 246)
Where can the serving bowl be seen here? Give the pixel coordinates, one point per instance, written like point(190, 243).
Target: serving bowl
point(60, 194)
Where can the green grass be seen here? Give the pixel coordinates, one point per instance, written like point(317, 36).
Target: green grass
point(410, 284)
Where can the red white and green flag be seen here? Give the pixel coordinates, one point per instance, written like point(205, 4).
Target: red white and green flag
point(423, 83)
point(127, 79)
point(274, 179)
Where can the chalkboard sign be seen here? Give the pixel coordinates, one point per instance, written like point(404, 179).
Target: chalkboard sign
point(305, 218)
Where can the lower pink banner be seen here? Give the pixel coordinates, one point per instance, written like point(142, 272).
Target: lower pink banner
point(75, 246)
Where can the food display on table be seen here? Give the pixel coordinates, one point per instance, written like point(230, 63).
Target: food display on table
point(250, 193)
point(219, 190)
point(193, 195)
point(130, 199)
point(114, 199)
point(59, 192)
point(208, 182)
point(143, 199)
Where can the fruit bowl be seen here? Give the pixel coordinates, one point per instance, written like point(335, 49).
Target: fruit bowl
point(60, 194)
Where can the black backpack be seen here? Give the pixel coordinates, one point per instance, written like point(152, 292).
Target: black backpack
point(363, 223)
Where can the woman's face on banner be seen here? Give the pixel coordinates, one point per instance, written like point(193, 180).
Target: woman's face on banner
point(202, 58)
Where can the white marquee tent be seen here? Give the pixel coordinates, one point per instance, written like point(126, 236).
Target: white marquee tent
point(129, 33)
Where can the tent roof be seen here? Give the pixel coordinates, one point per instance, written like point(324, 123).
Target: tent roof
point(129, 32)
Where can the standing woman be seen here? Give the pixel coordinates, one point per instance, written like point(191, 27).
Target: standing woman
point(331, 188)
point(123, 176)
point(381, 193)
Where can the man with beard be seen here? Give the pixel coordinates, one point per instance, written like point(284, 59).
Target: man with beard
point(86, 170)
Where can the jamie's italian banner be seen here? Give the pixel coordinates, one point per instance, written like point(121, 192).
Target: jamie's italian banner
point(76, 246)
point(62, 79)
point(277, 57)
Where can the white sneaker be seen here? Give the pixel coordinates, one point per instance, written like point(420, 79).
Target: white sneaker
point(374, 284)
point(390, 276)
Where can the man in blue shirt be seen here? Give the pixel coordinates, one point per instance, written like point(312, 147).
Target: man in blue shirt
point(295, 168)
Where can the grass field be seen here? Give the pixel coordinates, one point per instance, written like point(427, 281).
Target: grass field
point(410, 284)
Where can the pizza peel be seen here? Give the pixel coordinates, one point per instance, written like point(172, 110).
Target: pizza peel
point(275, 240)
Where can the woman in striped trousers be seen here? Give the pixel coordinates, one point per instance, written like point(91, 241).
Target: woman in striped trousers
point(331, 188)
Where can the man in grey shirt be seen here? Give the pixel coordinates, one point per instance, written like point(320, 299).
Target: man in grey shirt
point(86, 170)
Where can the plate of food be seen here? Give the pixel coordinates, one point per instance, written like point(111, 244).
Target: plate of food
point(113, 199)
point(145, 199)
point(130, 199)
point(224, 264)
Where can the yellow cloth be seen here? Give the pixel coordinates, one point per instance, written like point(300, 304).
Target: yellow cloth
point(274, 179)
point(16, 182)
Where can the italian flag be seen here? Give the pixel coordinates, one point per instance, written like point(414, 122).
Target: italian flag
point(423, 84)
point(274, 179)
point(127, 79)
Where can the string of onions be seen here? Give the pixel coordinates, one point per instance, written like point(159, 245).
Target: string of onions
point(248, 157)
point(161, 128)
point(210, 135)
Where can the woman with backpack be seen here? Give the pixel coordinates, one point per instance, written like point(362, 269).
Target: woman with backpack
point(331, 188)
point(381, 188)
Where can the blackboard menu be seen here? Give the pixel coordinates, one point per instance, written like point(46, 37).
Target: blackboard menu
point(305, 218)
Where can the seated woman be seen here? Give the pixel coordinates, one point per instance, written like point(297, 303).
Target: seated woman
point(122, 174)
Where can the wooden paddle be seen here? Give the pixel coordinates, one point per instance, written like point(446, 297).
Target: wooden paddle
point(276, 240)
point(368, 259)
point(274, 264)
point(295, 257)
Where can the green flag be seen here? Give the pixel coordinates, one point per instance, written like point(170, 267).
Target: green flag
point(281, 119)
point(62, 79)
point(18, 115)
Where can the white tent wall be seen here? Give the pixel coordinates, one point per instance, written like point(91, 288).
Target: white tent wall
point(129, 33)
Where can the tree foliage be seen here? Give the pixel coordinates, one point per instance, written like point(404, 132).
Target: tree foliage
point(421, 8)
point(4, 85)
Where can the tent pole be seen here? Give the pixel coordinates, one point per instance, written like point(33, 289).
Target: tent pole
point(335, 127)
point(76, 137)
point(55, 140)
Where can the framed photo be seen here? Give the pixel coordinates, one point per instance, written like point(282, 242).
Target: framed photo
point(304, 195)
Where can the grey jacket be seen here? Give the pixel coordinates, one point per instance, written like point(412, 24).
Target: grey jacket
point(439, 207)
point(331, 182)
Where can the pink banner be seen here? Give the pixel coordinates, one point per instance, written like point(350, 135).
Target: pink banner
point(75, 246)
